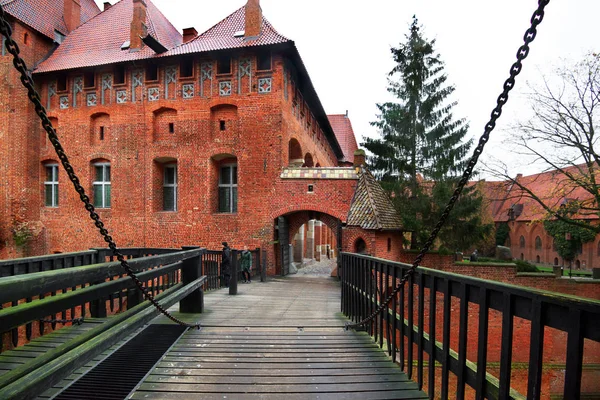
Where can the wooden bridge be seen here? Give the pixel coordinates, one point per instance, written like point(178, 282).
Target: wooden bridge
point(283, 338)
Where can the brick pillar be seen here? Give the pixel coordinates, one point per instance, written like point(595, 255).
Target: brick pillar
point(310, 240)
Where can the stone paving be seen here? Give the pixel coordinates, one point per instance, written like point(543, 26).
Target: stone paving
point(317, 268)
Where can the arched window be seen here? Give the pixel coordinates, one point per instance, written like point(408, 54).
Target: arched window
point(51, 184)
point(102, 184)
point(99, 127)
point(228, 188)
point(295, 154)
point(522, 242)
point(537, 259)
point(522, 256)
point(164, 123)
point(555, 260)
point(360, 246)
point(538, 243)
point(308, 161)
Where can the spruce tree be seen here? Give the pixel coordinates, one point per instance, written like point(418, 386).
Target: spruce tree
point(423, 149)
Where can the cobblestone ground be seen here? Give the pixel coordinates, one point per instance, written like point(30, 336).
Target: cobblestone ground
point(317, 268)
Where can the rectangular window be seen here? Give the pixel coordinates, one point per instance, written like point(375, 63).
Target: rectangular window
point(228, 196)
point(170, 188)
point(89, 79)
point(61, 83)
point(102, 185)
point(263, 61)
point(222, 125)
point(186, 68)
point(51, 185)
point(224, 65)
point(171, 127)
point(151, 72)
point(101, 133)
point(119, 75)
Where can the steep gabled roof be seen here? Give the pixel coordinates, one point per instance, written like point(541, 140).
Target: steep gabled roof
point(99, 41)
point(342, 127)
point(552, 187)
point(222, 36)
point(46, 16)
point(371, 207)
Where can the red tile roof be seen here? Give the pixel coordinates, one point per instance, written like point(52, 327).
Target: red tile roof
point(99, 41)
point(45, 16)
point(221, 36)
point(342, 127)
point(552, 187)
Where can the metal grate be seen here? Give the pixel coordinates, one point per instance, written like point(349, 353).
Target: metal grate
point(121, 372)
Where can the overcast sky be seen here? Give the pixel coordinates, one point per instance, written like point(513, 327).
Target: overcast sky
point(345, 47)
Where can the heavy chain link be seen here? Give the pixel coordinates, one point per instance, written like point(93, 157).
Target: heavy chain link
point(34, 97)
point(509, 84)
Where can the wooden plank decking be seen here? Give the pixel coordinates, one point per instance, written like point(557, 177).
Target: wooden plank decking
point(274, 340)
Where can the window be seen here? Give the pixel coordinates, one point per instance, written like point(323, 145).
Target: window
point(228, 195)
point(61, 83)
point(171, 127)
point(3, 45)
point(102, 185)
point(263, 61)
point(538, 243)
point(26, 38)
point(119, 77)
point(389, 245)
point(170, 188)
point(151, 72)
point(222, 125)
point(522, 242)
point(101, 133)
point(89, 79)
point(186, 68)
point(224, 65)
point(51, 185)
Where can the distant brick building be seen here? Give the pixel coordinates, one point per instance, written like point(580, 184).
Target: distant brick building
point(178, 139)
point(528, 240)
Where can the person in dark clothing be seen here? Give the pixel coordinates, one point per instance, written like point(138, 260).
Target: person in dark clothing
point(226, 264)
point(246, 263)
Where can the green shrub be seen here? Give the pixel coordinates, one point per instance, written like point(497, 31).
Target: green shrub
point(493, 260)
point(524, 266)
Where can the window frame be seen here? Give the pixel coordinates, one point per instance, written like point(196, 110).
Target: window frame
point(221, 63)
point(233, 188)
point(52, 185)
point(103, 184)
point(174, 186)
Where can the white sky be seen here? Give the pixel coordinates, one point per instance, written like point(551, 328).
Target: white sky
point(345, 45)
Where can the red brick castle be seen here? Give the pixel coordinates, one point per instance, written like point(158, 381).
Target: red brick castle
point(189, 139)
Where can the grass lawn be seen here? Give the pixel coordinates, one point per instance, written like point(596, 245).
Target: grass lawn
point(575, 272)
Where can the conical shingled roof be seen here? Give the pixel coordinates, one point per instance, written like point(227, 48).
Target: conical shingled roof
point(99, 41)
point(371, 207)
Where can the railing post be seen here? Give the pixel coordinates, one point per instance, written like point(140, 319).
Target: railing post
point(263, 264)
point(233, 282)
point(190, 271)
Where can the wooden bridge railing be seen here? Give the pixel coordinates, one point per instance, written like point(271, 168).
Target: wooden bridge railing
point(427, 309)
point(71, 286)
point(173, 277)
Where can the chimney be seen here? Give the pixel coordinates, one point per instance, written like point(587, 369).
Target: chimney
point(253, 19)
point(359, 158)
point(72, 14)
point(107, 5)
point(189, 34)
point(138, 25)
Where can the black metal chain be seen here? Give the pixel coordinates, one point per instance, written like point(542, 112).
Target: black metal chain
point(76, 321)
point(34, 97)
point(509, 84)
